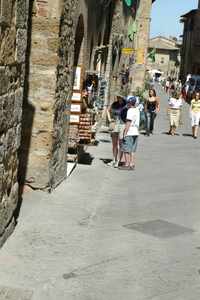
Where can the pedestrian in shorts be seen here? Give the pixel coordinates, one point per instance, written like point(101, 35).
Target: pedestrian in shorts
point(130, 135)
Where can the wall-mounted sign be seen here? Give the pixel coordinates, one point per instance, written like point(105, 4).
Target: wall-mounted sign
point(76, 108)
point(74, 119)
point(128, 51)
point(76, 97)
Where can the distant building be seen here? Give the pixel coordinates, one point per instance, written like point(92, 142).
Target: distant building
point(166, 55)
point(191, 44)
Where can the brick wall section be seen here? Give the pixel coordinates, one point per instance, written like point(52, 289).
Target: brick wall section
point(13, 42)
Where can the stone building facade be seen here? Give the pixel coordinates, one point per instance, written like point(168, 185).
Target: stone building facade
point(64, 34)
point(13, 41)
point(142, 42)
point(51, 47)
point(167, 56)
point(191, 44)
point(42, 42)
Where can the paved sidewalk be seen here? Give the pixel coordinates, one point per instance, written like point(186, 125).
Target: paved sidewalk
point(106, 234)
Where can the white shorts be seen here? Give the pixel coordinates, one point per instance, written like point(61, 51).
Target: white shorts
point(195, 119)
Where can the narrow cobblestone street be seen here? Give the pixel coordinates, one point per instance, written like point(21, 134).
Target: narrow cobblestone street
point(106, 234)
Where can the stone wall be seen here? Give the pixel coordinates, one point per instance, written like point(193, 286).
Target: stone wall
point(38, 109)
point(190, 61)
point(58, 162)
point(13, 41)
point(142, 42)
point(51, 58)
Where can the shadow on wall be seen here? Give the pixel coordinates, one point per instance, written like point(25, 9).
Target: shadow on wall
point(28, 112)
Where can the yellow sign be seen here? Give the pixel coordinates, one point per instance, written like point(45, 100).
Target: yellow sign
point(140, 56)
point(128, 51)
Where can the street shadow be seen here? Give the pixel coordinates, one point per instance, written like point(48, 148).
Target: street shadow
point(104, 131)
point(84, 158)
point(187, 134)
point(143, 133)
point(28, 112)
point(106, 160)
point(105, 141)
point(167, 133)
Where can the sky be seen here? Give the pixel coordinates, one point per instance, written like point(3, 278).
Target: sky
point(166, 15)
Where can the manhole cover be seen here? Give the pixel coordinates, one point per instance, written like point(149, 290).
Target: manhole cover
point(9, 293)
point(159, 228)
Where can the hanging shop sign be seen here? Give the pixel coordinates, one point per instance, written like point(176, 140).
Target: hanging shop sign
point(128, 51)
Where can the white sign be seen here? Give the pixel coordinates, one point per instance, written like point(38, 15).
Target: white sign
point(76, 97)
point(77, 79)
point(74, 119)
point(75, 108)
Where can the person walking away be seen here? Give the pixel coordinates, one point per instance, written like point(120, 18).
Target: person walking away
point(195, 114)
point(152, 107)
point(131, 133)
point(116, 123)
point(175, 104)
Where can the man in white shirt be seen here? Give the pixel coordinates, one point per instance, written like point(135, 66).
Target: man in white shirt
point(131, 133)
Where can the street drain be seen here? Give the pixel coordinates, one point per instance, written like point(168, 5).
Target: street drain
point(159, 228)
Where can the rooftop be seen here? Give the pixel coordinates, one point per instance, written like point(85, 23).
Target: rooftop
point(161, 42)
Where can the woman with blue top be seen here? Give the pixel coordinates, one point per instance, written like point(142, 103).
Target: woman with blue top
point(114, 113)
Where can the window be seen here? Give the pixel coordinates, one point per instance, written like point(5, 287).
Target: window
point(5, 12)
